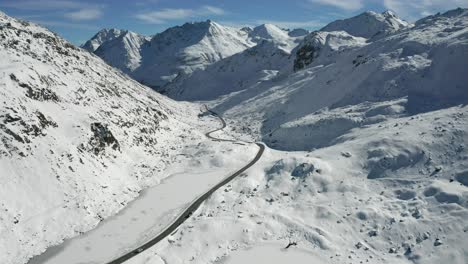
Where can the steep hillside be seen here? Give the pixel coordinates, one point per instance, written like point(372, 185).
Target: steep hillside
point(259, 63)
point(369, 24)
point(78, 140)
point(424, 65)
point(123, 52)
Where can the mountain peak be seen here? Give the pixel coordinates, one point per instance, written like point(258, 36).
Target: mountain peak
point(104, 35)
point(268, 31)
point(368, 24)
point(389, 13)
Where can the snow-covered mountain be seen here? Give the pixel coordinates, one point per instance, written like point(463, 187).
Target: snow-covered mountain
point(366, 127)
point(369, 24)
point(78, 139)
point(259, 63)
point(123, 52)
point(184, 49)
point(264, 62)
point(179, 51)
point(424, 64)
point(102, 36)
point(370, 163)
point(256, 64)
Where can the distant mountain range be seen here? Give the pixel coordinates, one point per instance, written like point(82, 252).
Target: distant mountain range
point(180, 50)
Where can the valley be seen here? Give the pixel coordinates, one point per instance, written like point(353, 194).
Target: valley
point(207, 143)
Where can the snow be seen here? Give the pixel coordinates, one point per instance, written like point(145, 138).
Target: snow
point(339, 212)
point(103, 36)
point(123, 52)
point(272, 254)
point(369, 24)
point(365, 160)
point(176, 53)
point(60, 178)
point(156, 207)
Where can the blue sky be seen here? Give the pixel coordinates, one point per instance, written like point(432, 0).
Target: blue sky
point(79, 20)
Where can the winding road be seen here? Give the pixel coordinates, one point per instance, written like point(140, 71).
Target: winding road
point(196, 204)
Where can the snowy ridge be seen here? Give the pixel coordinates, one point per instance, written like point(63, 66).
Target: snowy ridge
point(183, 49)
point(244, 69)
point(78, 139)
point(123, 52)
point(369, 24)
point(179, 51)
point(101, 37)
point(259, 63)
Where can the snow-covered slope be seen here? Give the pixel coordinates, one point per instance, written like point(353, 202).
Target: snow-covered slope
point(232, 74)
point(424, 64)
point(78, 139)
point(268, 31)
point(371, 160)
point(123, 52)
point(176, 51)
point(244, 69)
point(369, 24)
point(323, 46)
point(182, 50)
point(101, 37)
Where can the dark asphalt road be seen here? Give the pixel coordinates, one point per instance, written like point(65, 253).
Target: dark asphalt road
point(194, 206)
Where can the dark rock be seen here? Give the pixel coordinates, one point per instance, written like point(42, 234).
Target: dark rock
point(305, 56)
point(102, 138)
point(303, 170)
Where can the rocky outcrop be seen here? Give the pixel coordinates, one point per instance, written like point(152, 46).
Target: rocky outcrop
point(102, 138)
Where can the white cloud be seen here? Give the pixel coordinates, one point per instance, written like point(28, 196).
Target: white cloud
point(44, 4)
point(160, 17)
point(164, 15)
point(212, 10)
point(75, 10)
point(85, 14)
point(350, 5)
point(415, 9)
point(62, 24)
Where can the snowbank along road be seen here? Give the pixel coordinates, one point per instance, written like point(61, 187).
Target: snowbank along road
point(194, 206)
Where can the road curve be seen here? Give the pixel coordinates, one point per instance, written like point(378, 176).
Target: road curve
point(194, 206)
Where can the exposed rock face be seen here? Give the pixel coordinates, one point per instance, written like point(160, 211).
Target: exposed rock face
point(102, 138)
point(304, 56)
point(303, 170)
point(323, 44)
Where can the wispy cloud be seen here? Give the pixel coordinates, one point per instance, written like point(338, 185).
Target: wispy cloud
point(164, 15)
point(350, 5)
point(75, 10)
point(62, 24)
point(85, 14)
